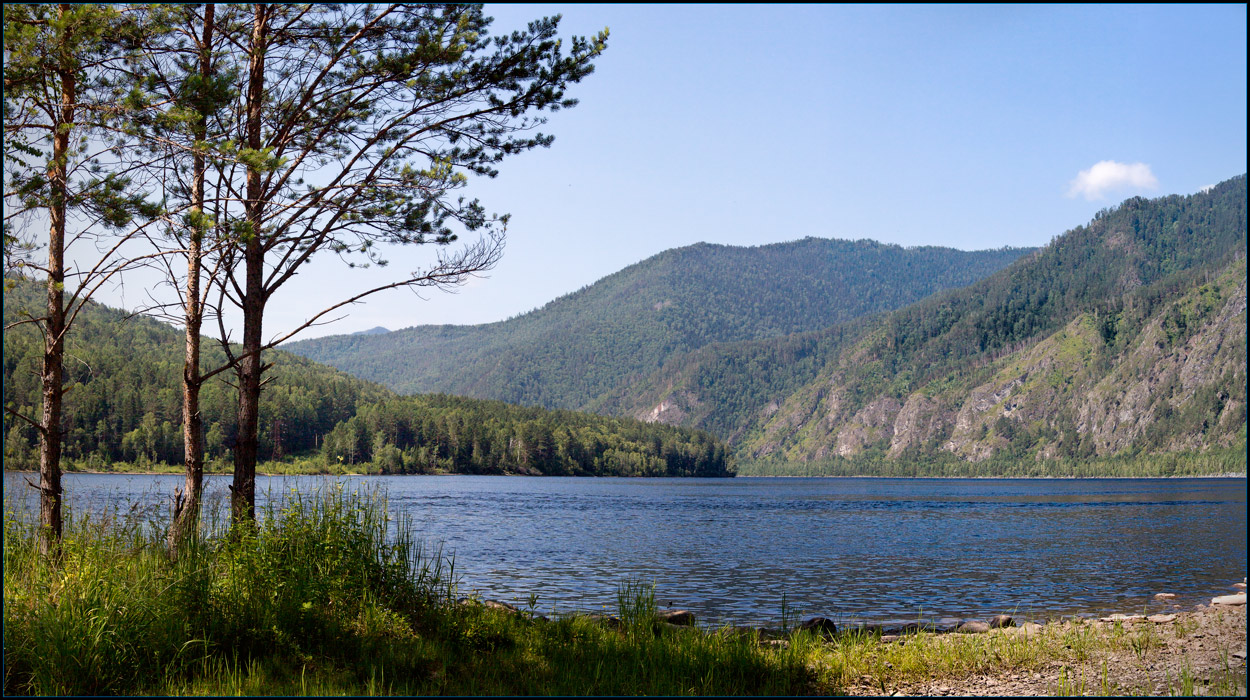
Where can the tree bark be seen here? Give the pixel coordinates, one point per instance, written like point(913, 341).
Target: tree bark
point(243, 492)
point(54, 330)
point(187, 503)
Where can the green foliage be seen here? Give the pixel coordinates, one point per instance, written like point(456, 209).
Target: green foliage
point(328, 573)
point(572, 351)
point(49, 48)
point(430, 434)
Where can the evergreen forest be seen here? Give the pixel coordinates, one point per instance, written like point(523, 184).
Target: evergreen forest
point(123, 411)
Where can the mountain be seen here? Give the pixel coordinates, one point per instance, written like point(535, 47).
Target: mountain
point(124, 405)
point(1125, 336)
point(579, 347)
point(376, 330)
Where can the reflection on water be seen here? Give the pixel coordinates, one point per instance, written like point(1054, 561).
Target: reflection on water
point(878, 550)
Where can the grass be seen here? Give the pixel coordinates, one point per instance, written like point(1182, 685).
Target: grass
point(327, 594)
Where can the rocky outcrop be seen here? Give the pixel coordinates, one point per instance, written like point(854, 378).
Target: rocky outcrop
point(922, 420)
point(868, 426)
point(1162, 375)
point(1030, 388)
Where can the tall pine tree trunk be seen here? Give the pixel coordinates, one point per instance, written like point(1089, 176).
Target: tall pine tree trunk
point(54, 331)
point(187, 506)
point(243, 492)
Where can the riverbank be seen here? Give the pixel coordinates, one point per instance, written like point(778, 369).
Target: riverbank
point(1186, 652)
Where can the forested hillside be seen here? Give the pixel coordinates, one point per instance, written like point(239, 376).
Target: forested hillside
point(577, 348)
point(1120, 337)
point(124, 406)
point(124, 400)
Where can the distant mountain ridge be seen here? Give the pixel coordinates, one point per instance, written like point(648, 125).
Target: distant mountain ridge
point(1126, 336)
point(579, 348)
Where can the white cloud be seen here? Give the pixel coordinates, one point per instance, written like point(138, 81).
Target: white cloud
point(1108, 175)
point(1206, 188)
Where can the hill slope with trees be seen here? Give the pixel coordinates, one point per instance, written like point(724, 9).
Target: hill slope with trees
point(1122, 337)
point(573, 350)
point(124, 406)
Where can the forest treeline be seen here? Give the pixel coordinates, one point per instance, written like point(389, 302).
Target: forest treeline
point(440, 433)
point(123, 407)
point(575, 349)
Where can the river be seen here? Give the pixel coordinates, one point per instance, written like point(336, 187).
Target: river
point(856, 550)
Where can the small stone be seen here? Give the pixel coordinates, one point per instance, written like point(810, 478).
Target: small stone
point(820, 625)
point(887, 638)
point(1239, 586)
point(1122, 618)
point(1235, 599)
point(684, 618)
point(1160, 619)
point(499, 606)
point(973, 627)
point(1164, 596)
point(1240, 654)
point(1028, 629)
point(1001, 621)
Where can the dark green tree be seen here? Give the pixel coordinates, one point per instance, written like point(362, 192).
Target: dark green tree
point(177, 100)
point(358, 127)
point(60, 134)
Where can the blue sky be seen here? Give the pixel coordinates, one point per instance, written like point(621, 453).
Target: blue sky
point(944, 125)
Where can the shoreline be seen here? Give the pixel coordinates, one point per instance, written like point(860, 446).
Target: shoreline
point(1154, 604)
point(1200, 650)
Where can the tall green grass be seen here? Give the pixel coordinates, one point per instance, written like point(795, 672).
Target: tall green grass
point(327, 593)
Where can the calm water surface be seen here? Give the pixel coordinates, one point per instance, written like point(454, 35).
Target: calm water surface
point(873, 550)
